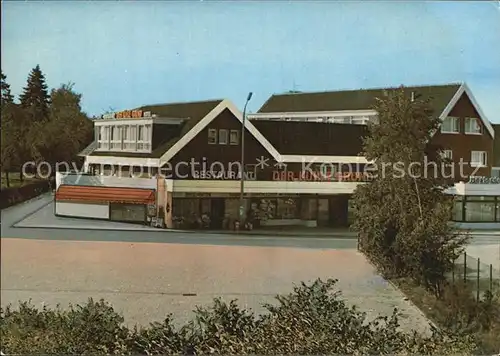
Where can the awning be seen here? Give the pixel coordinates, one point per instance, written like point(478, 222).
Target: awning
point(105, 194)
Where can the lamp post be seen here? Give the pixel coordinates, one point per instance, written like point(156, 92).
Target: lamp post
point(242, 170)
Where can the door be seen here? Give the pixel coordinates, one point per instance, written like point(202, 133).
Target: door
point(339, 210)
point(323, 212)
point(217, 212)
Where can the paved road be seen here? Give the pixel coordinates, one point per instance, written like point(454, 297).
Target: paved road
point(145, 273)
point(40, 211)
point(147, 280)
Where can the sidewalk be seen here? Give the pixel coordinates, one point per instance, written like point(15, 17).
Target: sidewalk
point(482, 232)
point(288, 232)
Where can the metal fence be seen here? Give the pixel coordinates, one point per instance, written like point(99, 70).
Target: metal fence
point(480, 277)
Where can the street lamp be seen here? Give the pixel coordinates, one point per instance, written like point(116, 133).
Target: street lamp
point(242, 170)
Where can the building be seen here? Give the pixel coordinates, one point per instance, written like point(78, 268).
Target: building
point(302, 154)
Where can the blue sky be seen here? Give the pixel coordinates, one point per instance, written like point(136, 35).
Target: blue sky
point(124, 54)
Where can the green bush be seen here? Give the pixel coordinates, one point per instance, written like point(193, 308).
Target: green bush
point(313, 319)
point(15, 195)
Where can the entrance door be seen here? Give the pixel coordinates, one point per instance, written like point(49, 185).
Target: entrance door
point(323, 212)
point(217, 212)
point(338, 210)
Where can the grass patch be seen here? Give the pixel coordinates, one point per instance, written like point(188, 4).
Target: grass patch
point(15, 182)
point(459, 311)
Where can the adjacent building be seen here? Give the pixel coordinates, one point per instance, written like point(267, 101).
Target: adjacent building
point(302, 153)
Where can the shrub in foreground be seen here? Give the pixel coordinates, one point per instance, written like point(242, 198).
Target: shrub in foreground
point(313, 319)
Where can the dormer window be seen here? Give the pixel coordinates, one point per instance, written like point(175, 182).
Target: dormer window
point(472, 126)
point(118, 137)
point(450, 125)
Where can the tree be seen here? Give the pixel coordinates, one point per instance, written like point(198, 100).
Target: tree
point(66, 132)
point(6, 94)
point(15, 144)
point(402, 216)
point(35, 97)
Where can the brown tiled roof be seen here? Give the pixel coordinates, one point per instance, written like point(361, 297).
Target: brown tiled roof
point(361, 99)
point(196, 110)
point(313, 138)
point(105, 194)
point(193, 112)
point(496, 146)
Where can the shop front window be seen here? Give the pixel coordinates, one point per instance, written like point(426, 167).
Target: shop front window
point(288, 208)
point(480, 209)
point(456, 214)
point(128, 212)
point(498, 209)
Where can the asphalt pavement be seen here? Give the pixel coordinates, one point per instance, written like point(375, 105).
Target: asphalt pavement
point(35, 220)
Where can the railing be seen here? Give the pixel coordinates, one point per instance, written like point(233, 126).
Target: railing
point(479, 276)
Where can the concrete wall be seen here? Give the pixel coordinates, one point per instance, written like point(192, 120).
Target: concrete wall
point(98, 211)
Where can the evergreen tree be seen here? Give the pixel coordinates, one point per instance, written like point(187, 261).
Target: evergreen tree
point(6, 95)
point(35, 97)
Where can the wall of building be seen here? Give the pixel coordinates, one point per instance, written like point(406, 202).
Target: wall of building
point(199, 150)
point(84, 210)
point(461, 143)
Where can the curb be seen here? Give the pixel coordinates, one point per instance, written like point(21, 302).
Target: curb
point(200, 232)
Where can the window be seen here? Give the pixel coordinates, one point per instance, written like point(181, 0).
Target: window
point(495, 172)
point(125, 130)
point(105, 139)
point(448, 154)
point(223, 137)
point(288, 209)
point(472, 126)
point(483, 211)
point(116, 143)
point(457, 210)
point(212, 136)
point(234, 137)
point(450, 125)
point(147, 135)
point(143, 137)
point(478, 159)
point(140, 133)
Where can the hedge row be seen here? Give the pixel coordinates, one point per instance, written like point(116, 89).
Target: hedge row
point(313, 319)
point(16, 195)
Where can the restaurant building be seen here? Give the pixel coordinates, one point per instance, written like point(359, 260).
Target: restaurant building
point(302, 159)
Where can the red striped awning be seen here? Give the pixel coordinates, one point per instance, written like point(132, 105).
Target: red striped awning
point(105, 194)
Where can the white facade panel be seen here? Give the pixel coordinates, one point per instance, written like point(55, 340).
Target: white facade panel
point(477, 189)
point(255, 187)
point(83, 210)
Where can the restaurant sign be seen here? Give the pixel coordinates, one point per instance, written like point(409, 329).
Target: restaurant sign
point(484, 180)
point(128, 114)
point(321, 176)
point(223, 175)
